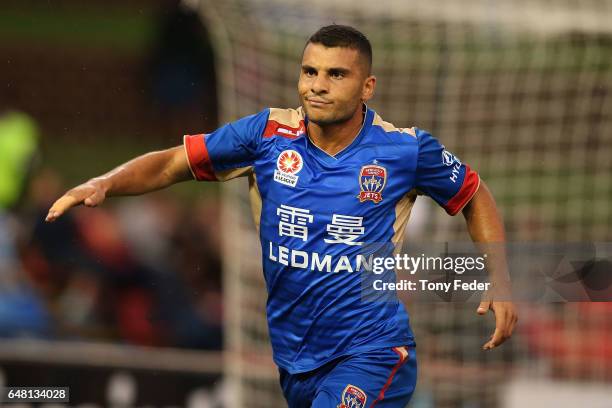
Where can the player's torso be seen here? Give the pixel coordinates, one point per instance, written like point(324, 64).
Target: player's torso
point(333, 203)
point(318, 215)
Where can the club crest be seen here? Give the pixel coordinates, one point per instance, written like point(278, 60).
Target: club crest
point(353, 397)
point(372, 180)
point(288, 164)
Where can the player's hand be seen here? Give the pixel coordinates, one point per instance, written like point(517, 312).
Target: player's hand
point(91, 194)
point(505, 321)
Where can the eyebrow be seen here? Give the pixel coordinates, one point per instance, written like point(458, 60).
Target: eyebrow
point(340, 70)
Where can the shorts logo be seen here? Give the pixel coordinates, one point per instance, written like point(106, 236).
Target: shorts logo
point(372, 180)
point(288, 164)
point(353, 397)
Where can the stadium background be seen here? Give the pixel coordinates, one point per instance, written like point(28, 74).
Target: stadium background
point(158, 300)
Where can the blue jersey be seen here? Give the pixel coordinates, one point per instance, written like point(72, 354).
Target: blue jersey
point(315, 214)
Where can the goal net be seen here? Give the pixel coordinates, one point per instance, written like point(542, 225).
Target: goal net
point(519, 89)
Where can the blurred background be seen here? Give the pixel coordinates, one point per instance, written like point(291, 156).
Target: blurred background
point(144, 302)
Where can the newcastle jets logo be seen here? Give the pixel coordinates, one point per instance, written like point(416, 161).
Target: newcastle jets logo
point(353, 397)
point(372, 180)
point(288, 164)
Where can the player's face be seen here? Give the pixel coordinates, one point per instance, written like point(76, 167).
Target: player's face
point(333, 84)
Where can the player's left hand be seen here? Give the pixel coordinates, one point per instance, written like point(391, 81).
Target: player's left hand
point(506, 318)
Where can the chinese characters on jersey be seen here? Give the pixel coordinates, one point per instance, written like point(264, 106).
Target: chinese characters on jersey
point(344, 229)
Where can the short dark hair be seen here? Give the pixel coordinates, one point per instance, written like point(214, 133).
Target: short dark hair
point(337, 35)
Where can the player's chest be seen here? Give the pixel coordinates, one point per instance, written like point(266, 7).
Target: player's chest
point(369, 178)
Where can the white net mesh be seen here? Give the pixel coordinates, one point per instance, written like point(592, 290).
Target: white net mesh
point(520, 90)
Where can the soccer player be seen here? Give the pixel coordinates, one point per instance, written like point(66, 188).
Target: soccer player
point(325, 180)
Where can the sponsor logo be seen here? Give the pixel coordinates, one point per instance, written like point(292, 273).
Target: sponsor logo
point(290, 132)
point(273, 128)
point(318, 262)
point(372, 180)
point(451, 160)
point(288, 164)
point(455, 172)
point(353, 397)
point(448, 158)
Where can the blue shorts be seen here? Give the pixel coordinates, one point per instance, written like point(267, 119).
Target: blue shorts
point(383, 378)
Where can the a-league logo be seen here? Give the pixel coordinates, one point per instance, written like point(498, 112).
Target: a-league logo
point(289, 161)
point(372, 180)
point(288, 164)
point(353, 397)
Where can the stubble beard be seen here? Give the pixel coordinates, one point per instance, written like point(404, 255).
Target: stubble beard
point(328, 118)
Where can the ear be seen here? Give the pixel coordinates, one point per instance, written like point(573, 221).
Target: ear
point(368, 88)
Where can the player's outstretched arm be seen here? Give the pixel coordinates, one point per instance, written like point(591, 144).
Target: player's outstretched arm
point(486, 227)
point(145, 173)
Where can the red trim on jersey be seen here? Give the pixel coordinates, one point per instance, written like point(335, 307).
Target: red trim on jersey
point(471, 182)
point(274, 128)
point(199, 160)
point(402, 360)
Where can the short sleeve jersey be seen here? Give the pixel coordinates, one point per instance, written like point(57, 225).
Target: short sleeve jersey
point(316, 212)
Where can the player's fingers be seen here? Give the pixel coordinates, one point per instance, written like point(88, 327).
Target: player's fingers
point(485, 303)
point(497, 339)
point(508, 317)
point(501, 329)
point(483, 307)
point(513, 321)
point(60, 206)
point(488, 343)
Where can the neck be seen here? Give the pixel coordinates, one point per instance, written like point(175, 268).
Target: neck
point(335, 137)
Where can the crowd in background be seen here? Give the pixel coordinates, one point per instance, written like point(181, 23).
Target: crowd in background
point(143, 271)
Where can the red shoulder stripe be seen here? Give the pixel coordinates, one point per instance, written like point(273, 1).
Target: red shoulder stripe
point(471, 181)
point(199, 160)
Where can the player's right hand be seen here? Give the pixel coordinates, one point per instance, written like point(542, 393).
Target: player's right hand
point(91, 194)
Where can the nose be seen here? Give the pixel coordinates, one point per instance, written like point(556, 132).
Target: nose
point(319, 85)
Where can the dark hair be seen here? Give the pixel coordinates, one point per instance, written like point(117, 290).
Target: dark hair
point(337, 35)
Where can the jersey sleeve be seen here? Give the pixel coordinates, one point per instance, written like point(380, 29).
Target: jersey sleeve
point(442, 176)
point(229, 151)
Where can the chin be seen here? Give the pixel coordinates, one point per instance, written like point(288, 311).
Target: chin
point(323, 118)
point(315, 117)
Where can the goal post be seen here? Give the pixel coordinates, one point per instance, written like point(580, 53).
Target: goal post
point(519, 89)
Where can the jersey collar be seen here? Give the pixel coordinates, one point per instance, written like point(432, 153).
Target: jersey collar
point(327, 158)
